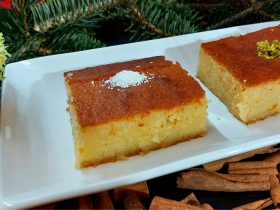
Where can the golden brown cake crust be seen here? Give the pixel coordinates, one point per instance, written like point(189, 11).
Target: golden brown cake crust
point(238, 55)
point(95, 103)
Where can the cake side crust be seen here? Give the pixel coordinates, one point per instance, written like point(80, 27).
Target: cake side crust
point(220, 82)
point(140, 134)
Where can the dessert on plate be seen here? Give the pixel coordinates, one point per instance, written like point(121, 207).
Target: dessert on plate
point(244, 72)
point(129, 108)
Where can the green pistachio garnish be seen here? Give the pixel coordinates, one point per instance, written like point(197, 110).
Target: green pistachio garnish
point(268, 50)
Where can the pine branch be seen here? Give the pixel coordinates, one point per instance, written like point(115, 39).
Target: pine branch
point(43, 27)
point(72, 40)
point(54, 13)
point(10, 24)
point(271, 10)
point(160, 21)
point(148, 23)
point(55, 43)
point(255, 7)
point(206, 5)
point(267, 15)
point(13, 28)
point(30, 46)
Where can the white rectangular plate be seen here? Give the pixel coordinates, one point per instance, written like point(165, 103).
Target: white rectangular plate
point(36, 147)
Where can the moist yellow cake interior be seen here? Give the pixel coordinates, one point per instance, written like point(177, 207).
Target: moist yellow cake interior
point(120, 139)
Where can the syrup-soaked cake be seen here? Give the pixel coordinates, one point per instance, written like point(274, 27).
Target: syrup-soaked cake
point(247, 83)
point(124, 109)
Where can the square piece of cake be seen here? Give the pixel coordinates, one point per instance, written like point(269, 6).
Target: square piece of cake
point(124, 109)
point(247, 83)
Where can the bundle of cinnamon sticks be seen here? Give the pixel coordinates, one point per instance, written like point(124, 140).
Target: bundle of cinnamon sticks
point(241, 176)
point(236, 174)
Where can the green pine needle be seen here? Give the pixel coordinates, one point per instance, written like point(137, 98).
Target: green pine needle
point(43, 27)
point(54, 13)
point(74, 40)
point(158, 20)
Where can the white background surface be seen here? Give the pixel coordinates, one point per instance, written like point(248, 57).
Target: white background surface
point(36, 147)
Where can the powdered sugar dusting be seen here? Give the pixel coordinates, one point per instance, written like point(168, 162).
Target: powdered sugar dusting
point(127, 78)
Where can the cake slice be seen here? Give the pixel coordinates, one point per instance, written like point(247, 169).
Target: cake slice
point(244, 80)
point(124, 109)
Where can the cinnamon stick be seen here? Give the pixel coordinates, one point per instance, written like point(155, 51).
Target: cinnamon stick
point(263, 171)
point(274, 157)
point(251, 165)
point(246, 178)
point(207, 206)
point(260, 204)
point(274, 189)
point(85, 202)
point(192, 200)
point(217, 165)
point(141, 189)
point(159, 203)
point(204, 180)
point(132, 202)
point(103, 200)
